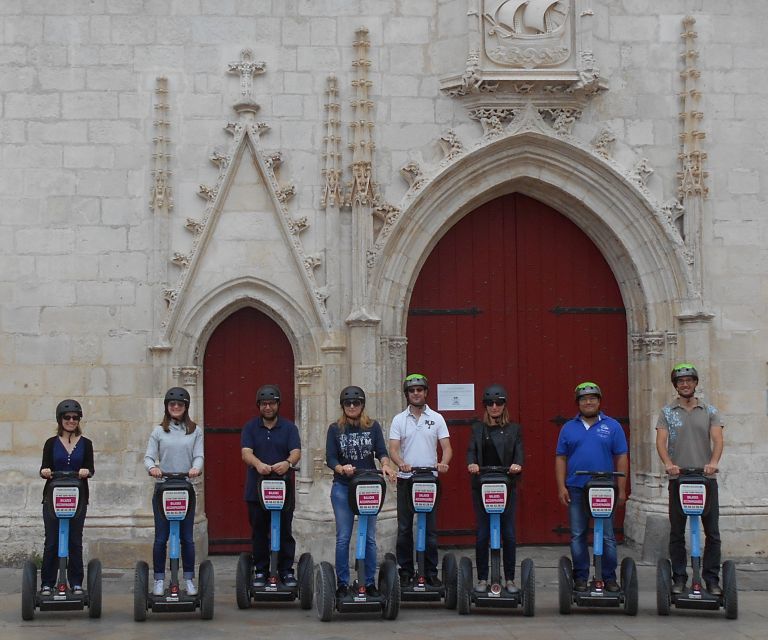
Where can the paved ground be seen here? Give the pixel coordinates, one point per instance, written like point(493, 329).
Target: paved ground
point(288, 622)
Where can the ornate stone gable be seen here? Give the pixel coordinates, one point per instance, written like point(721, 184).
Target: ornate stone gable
point(246, 134)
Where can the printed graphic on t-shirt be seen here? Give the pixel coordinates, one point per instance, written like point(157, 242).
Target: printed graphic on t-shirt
point(356, 446)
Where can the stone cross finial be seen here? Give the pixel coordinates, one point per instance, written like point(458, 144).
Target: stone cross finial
point(247, 67)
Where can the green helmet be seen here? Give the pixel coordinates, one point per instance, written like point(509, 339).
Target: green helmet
point(415, 380)
point(587, 389)
point(682, 370)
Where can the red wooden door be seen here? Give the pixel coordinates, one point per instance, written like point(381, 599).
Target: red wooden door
point(515, 293)
point(248, 349)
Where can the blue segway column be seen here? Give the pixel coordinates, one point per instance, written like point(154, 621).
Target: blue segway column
point(494, 493)
point(175, 501)
point(272, 495)
point(692, 493)
point(601, 502)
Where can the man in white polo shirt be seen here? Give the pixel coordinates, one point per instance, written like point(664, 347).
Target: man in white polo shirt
point(413, 439)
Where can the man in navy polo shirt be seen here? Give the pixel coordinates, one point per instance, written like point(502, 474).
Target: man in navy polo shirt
point(270, 444)
point(591, 441)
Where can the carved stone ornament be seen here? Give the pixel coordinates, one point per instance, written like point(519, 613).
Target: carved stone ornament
point(654, 342)
point(528, 46)
point(603, 142)
point(186, 376)
point(304, 374)
point(451, 145)
point(413, 175)
point(396, 346)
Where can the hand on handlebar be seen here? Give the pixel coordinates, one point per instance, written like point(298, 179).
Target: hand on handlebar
point(515, 468)
point(83, 473)
point(156, 472)
point(281, 468)
point(442, 467)
point(45, 473)
point(193, 472)
point(710, 469)
point(347, 470)
point(673, 470)
point(388, 473)
point(263, 469)
point(473, 468)
point(405, 467)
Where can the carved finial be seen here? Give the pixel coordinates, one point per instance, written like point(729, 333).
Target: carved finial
point(332, 154)
point(161, 197)
point(247, 67)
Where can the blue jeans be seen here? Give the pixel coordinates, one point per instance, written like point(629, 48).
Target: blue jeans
point(163, 532)
point(345, 520)
point(579, 517)
point(50, 568)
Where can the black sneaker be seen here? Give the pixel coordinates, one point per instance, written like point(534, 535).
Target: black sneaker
point(579, 585)
point(406, 578)
point(342, 591)
point(260, 580)
point(612, 586)
point(371, 591)
point(434, 581)
point(713, 587)
point(678, 586)
point(289, 580)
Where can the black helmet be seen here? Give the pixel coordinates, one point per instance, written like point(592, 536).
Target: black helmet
point(415, 380)
point(495, 392)
point(684, 369)
point(268, 392)
point(587, 389)
point(352, 393)
point(177, 394)
point(68, 406)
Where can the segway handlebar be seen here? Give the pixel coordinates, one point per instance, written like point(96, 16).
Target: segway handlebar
point(693, 471)
point(495, 469)
point(602, 474)
point(68, 474)
point(423, 469)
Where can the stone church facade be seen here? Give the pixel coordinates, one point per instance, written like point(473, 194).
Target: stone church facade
point(166, 164)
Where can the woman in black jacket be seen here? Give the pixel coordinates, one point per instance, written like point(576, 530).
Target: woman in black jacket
point(495, 442)
point(68, 450)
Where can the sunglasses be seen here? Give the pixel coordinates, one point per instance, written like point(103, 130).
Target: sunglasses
point(74, 417)
point(496, 403)
point(352, 403)
point(416, 390)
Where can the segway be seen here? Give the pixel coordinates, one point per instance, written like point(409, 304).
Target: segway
point(424, 488)
point(273, 494)
point(174, 496)
point(600, 497)
point(62, 497)
point(495, 486)
point(366, 497)
point(692, 494)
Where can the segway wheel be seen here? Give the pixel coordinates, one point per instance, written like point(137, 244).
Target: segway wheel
point(730, 592)
point(325, 591)
point(140, 590)
point(206, 582)
point(242, 581)
point(464, 586)
point(306, 571)
point(28, 590)
point(450, 572)
point(528, 573)
point(565, 585)
point(389, 586)
point(93, 580)
point(629, 586)
point(663, 587)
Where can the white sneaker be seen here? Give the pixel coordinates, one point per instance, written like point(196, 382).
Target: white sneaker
point(191, 588)
point(159, 588)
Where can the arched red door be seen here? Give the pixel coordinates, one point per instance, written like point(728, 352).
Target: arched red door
point(516, 293)
point(246, 350)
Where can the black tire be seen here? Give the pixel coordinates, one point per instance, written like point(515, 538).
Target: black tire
point(243, 581)
point(325, 591)
point(28, 590)
point(450, 573)
point(93, 581)
point(565, 585)
point(528, 576)
point(140, 591)
point(629, 586)
point(389, 586)
point(306, 571)
point(730, 592)
point(663, 587)
point(207, 586)
point(464, 586)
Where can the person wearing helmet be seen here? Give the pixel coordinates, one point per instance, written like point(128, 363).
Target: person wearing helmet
point(175, 446)
point(414, 436)
point(590, 441)
point(68, 450)
point(495, 441)
point(689, 433)
point(270, 444)
point(353, 442)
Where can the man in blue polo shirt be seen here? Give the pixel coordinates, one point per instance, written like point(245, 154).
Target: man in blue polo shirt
point(270, 444)
point(591, 441)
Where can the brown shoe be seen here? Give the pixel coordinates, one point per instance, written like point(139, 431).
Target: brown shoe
point(714, 588)
point(612, 586)
point(678, 586)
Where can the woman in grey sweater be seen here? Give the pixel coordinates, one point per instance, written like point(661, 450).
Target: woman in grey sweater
point(175, 446)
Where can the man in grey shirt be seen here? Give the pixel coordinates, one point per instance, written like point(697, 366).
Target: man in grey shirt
point(689, 433)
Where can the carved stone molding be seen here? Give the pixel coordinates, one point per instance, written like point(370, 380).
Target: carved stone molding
point(396, 346)
point(247, 67)
point(297, 225)
point(195, 226)
point(451, 145)
point(413, 175)
point(388, 215)
point(312, 262)
point(305, 374)
point(603, 142)
point(641, 172)
point(186, 376)
point(331, 172)
point(286, 193)
point(180, 259)
point(206, 192)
